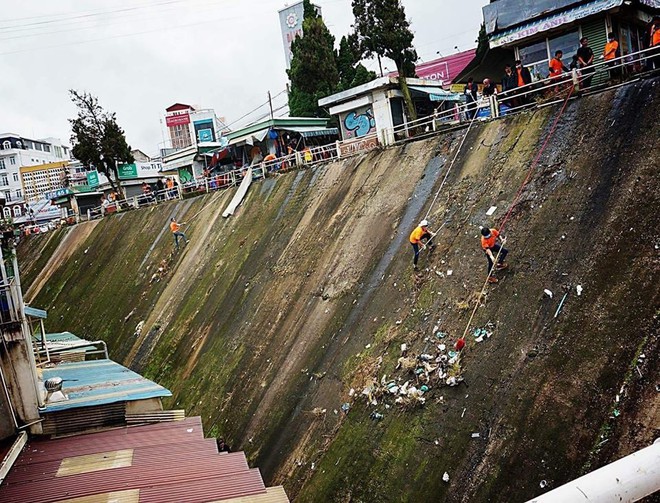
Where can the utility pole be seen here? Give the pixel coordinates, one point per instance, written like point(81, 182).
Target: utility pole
point(380, 65)
point(270, 103)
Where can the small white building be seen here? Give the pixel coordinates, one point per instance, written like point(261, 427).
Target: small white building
point(374, 113)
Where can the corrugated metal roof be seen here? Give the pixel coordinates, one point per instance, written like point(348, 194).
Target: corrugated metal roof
point(273, 495)
point(98, 382)
point(171, 463)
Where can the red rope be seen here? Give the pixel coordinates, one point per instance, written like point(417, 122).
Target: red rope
point(537, 159)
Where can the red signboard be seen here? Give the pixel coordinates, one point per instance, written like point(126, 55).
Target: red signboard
point(177, 120)
point(444, 69)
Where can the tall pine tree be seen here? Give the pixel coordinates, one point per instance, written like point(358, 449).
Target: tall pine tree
point(382, 29)
point(351, 72)
point(313, 72)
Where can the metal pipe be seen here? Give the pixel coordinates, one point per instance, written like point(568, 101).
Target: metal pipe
point(628, 479)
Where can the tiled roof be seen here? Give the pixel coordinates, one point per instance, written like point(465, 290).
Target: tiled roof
point(163, 462)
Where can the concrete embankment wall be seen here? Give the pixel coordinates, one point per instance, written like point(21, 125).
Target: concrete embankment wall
point(270, 317)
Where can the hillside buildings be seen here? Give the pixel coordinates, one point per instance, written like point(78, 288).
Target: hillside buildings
point(188, 125)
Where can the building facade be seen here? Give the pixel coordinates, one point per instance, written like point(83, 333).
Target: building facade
point(535, 30)
point(37, 180)
point(18, 152)
point(189, 126)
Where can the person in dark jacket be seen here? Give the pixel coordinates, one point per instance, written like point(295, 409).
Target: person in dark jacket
point(509, 83)
point(585, 61)
point(470, 92)
point(489, 88)
point(523, 78)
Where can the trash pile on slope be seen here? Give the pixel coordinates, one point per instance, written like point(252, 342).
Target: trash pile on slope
point(418, 374)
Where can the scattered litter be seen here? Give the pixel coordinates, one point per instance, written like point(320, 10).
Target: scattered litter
point(442, 347)
point(491, 210)
point(313, 465)
point(476, 435)
point(547, 292)
point(445, 477)
point(138, 329)
point(460, 344)
point(616, 412)
point(450, 272)
point(579, 290)
point(404, 348)
point(463, 413)
point(543, 484)
point(319, 412)
point(440, 274)
point(367, 346)
point(561, 304)
point(398, 322)
point(345, 407)
point(351, 392)
point(376, 416)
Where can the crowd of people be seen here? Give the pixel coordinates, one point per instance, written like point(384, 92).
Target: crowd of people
point(517, 82)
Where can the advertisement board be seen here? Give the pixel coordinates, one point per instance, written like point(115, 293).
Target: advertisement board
point(93, 178)
point(136, 170)
point(177, 120)
point(291, 19)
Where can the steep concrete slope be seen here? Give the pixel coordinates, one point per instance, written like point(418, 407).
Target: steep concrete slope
point(270, 317)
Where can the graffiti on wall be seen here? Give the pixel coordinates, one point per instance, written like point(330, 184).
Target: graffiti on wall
point(359, 123)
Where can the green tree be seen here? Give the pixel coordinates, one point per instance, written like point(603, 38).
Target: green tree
point(313, 72)
point(97, 139)
point(382, 29)
point(351, 72)
point(482, 41)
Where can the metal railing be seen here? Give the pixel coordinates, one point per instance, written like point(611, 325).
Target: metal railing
point(526, 97)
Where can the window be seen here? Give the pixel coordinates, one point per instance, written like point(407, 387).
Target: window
point(6, 145)
point(16, 177)
point(4, 181)
point(19, 193)
point(17, 211)
point(2, 164)
point(535, 58)
point(7, 212)
point(12, 161)
point(7, 196)
point(46, 148)
point(37, 146)
point(567, 43)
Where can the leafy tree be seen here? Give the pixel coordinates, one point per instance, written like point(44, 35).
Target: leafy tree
point(313, 72)
point(97, 139)
point(482, 41)
point(382, 29)
point(351, 72)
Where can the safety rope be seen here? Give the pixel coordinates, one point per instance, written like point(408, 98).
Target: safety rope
point(513, 203)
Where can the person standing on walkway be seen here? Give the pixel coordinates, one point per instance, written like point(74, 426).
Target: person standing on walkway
point(470, 92)
point(654, 43)
point(491, 248)
point(610, 53)
point(523, 78)
point(421, 236)
point(175, 227)
point(585, 59)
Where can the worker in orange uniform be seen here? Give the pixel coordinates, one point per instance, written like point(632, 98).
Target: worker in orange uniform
point(176, 232)
point(269, 162)
point(654, 42)
point(421, 236)
point(610, 53)
point(557, 66)
point(491, 248)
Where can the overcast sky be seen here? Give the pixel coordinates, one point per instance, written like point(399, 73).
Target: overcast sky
point(140, 56)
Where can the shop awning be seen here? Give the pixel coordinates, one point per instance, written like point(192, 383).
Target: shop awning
point(309, 131)
point(250, 138)
point(182, 162)
point(437, 93)
point(544, 24)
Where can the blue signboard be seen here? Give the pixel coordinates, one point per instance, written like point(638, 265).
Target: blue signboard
point(54, 194)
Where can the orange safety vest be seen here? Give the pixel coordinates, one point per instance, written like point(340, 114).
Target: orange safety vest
point(416, 235)
point(610, 50)
point(655, 37)
point(489, 242)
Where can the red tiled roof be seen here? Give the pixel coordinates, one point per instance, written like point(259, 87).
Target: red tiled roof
point(172, 462)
